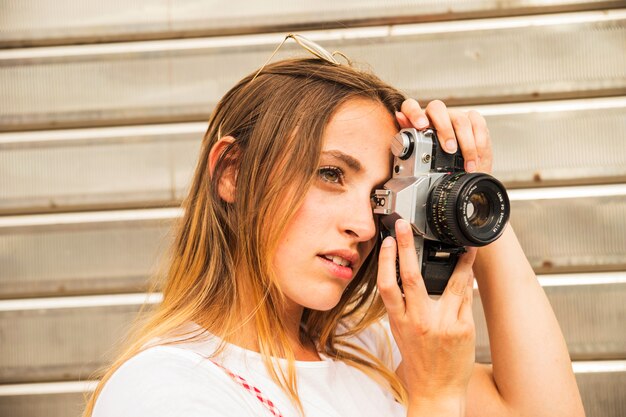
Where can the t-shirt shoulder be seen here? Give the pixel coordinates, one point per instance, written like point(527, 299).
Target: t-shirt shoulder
point(169, 381)
point(378, 340)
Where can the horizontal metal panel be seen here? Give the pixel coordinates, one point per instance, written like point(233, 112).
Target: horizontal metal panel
point(590, 310)
point(601, 390)
point(82, 252)
point(561, 142)
point(62, 339)
point(152, 164)
point(32, 22)
point(571, 228)
point(51, 399)
point(43, 405)
point(41, 341)
point(105, 167)
point(477, 61)
point(601, 386)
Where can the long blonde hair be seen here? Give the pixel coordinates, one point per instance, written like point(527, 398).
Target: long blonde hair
point(222, 255)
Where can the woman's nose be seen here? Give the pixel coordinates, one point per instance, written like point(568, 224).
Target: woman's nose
point(359, 219)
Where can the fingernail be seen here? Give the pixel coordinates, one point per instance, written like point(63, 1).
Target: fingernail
point(451, 145)
point(471, 166)
point(399, 115)
point(387, 242)
point(402, 225)
point(422, 122)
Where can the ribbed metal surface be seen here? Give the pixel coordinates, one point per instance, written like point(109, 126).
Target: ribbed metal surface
point(43, 405)
point(82, 255)
point(47, 342)
point(602, 391)
point(590, 310)
point(564, 142)
point(32, 22)
point(556, 56)
point(153, 164)
point(61, 170)
point(572, 234)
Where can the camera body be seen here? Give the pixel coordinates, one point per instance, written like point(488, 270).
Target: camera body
point(447, 208)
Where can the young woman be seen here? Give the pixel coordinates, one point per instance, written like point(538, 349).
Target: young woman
point(278, 281)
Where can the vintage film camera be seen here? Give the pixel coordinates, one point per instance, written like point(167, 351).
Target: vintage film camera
point(448, 208)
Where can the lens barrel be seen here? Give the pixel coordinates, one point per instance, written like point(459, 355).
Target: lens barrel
point(467, 209)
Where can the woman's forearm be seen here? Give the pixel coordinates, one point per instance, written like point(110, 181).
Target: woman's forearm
point(436, 407)
point(531, 364)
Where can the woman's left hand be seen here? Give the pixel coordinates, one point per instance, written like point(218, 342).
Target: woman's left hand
point(518, 336)
point(455, 128)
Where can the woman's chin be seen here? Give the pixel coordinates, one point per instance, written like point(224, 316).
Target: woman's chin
point(323, 302)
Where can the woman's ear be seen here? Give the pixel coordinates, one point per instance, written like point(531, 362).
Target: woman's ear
point(228, 176)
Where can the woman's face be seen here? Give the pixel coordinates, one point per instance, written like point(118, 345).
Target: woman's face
point(333, 231)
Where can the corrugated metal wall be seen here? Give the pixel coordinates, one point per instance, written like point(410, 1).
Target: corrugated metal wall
point(103, 105)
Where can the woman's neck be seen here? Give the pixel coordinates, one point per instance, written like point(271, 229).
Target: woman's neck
point(303, 347)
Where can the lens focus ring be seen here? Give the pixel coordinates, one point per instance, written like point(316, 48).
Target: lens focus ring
point(467, 209)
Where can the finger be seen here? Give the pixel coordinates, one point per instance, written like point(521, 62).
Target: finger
point(465, 138)
point(412, 110)
point(386, 280)
point(403, 121)
point(414, 288)
point(437, 112)
point(466, 313)
point(452, 296)
point(483, 141)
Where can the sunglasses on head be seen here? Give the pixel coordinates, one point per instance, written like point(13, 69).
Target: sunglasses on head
point(308, 45)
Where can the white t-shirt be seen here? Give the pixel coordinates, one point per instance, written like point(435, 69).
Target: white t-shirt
point(179, 380)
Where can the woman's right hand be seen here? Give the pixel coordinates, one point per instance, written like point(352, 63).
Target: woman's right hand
point(435, 337)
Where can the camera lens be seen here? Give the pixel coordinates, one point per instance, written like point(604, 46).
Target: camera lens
point(467, 209)
point(478, 209)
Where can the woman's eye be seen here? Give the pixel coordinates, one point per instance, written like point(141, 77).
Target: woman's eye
point(333, 175)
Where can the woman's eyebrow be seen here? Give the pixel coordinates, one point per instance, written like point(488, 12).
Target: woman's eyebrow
point(347, 159)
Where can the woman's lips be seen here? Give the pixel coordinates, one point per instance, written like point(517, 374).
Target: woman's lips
point(341, 272)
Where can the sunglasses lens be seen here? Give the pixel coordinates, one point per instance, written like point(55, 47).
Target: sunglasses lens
point(310, 46)
point(315, 49)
